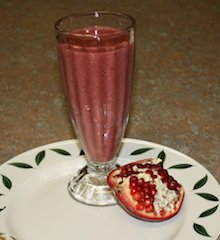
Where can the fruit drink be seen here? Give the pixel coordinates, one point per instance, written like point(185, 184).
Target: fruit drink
point(96, 66)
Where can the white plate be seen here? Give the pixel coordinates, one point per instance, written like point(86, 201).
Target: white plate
point(35, 203)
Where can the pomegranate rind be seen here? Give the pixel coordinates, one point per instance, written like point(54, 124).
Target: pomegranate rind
point(120, 187)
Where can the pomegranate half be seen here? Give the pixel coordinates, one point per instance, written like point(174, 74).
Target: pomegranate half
point(146, 190)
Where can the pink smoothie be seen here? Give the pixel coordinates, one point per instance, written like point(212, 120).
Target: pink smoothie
point(97, 73)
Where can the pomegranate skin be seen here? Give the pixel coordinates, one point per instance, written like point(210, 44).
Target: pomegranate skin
point(137, 188)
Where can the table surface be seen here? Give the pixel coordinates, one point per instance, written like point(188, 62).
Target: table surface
point(176, 97)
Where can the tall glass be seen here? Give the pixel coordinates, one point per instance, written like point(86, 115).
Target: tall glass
point(96, 58)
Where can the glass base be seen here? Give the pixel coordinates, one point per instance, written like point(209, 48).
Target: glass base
point(89, 186)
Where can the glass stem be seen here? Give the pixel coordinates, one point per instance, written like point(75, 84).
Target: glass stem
point(101, 168)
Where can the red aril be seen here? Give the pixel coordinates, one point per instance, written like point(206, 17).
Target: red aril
point(146, 190)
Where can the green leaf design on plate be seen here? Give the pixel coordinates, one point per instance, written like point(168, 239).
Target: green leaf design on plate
point(20, 165)
point(61, 151)
point(181, 166)
point(200, 229)
point(208, 212)
point(201, 182)
point(140, 151)
point(162, 156)
point(7, 182)
point(1, 209)
point(39, 157)
point(208, 196)
point(81, 153)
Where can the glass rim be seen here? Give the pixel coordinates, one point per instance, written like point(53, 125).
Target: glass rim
point(95, 14)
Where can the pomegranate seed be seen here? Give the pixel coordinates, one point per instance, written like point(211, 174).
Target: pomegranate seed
point(148, 171)
point(162, 172)
point(124, 172)
point(164, 175)
point(140, 182)
point(142, 192)
point(133, 179)
point(148, 195)
point(154, 176)
point(133, 191)
point(140, 206)
point(137, 196)
point(148, 201)
point(170, 179)
point(151, 186)
point(162, 212)
point(145, 190)
point(145, 185)
point(139, 165)
point(142, 200)
point(153, 191)
point(148, 183)
point(149, 208)
point(172, 185)
point(133, 184)
point(147, 165)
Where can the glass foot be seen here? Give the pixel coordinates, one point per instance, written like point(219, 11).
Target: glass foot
point(90, 187)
